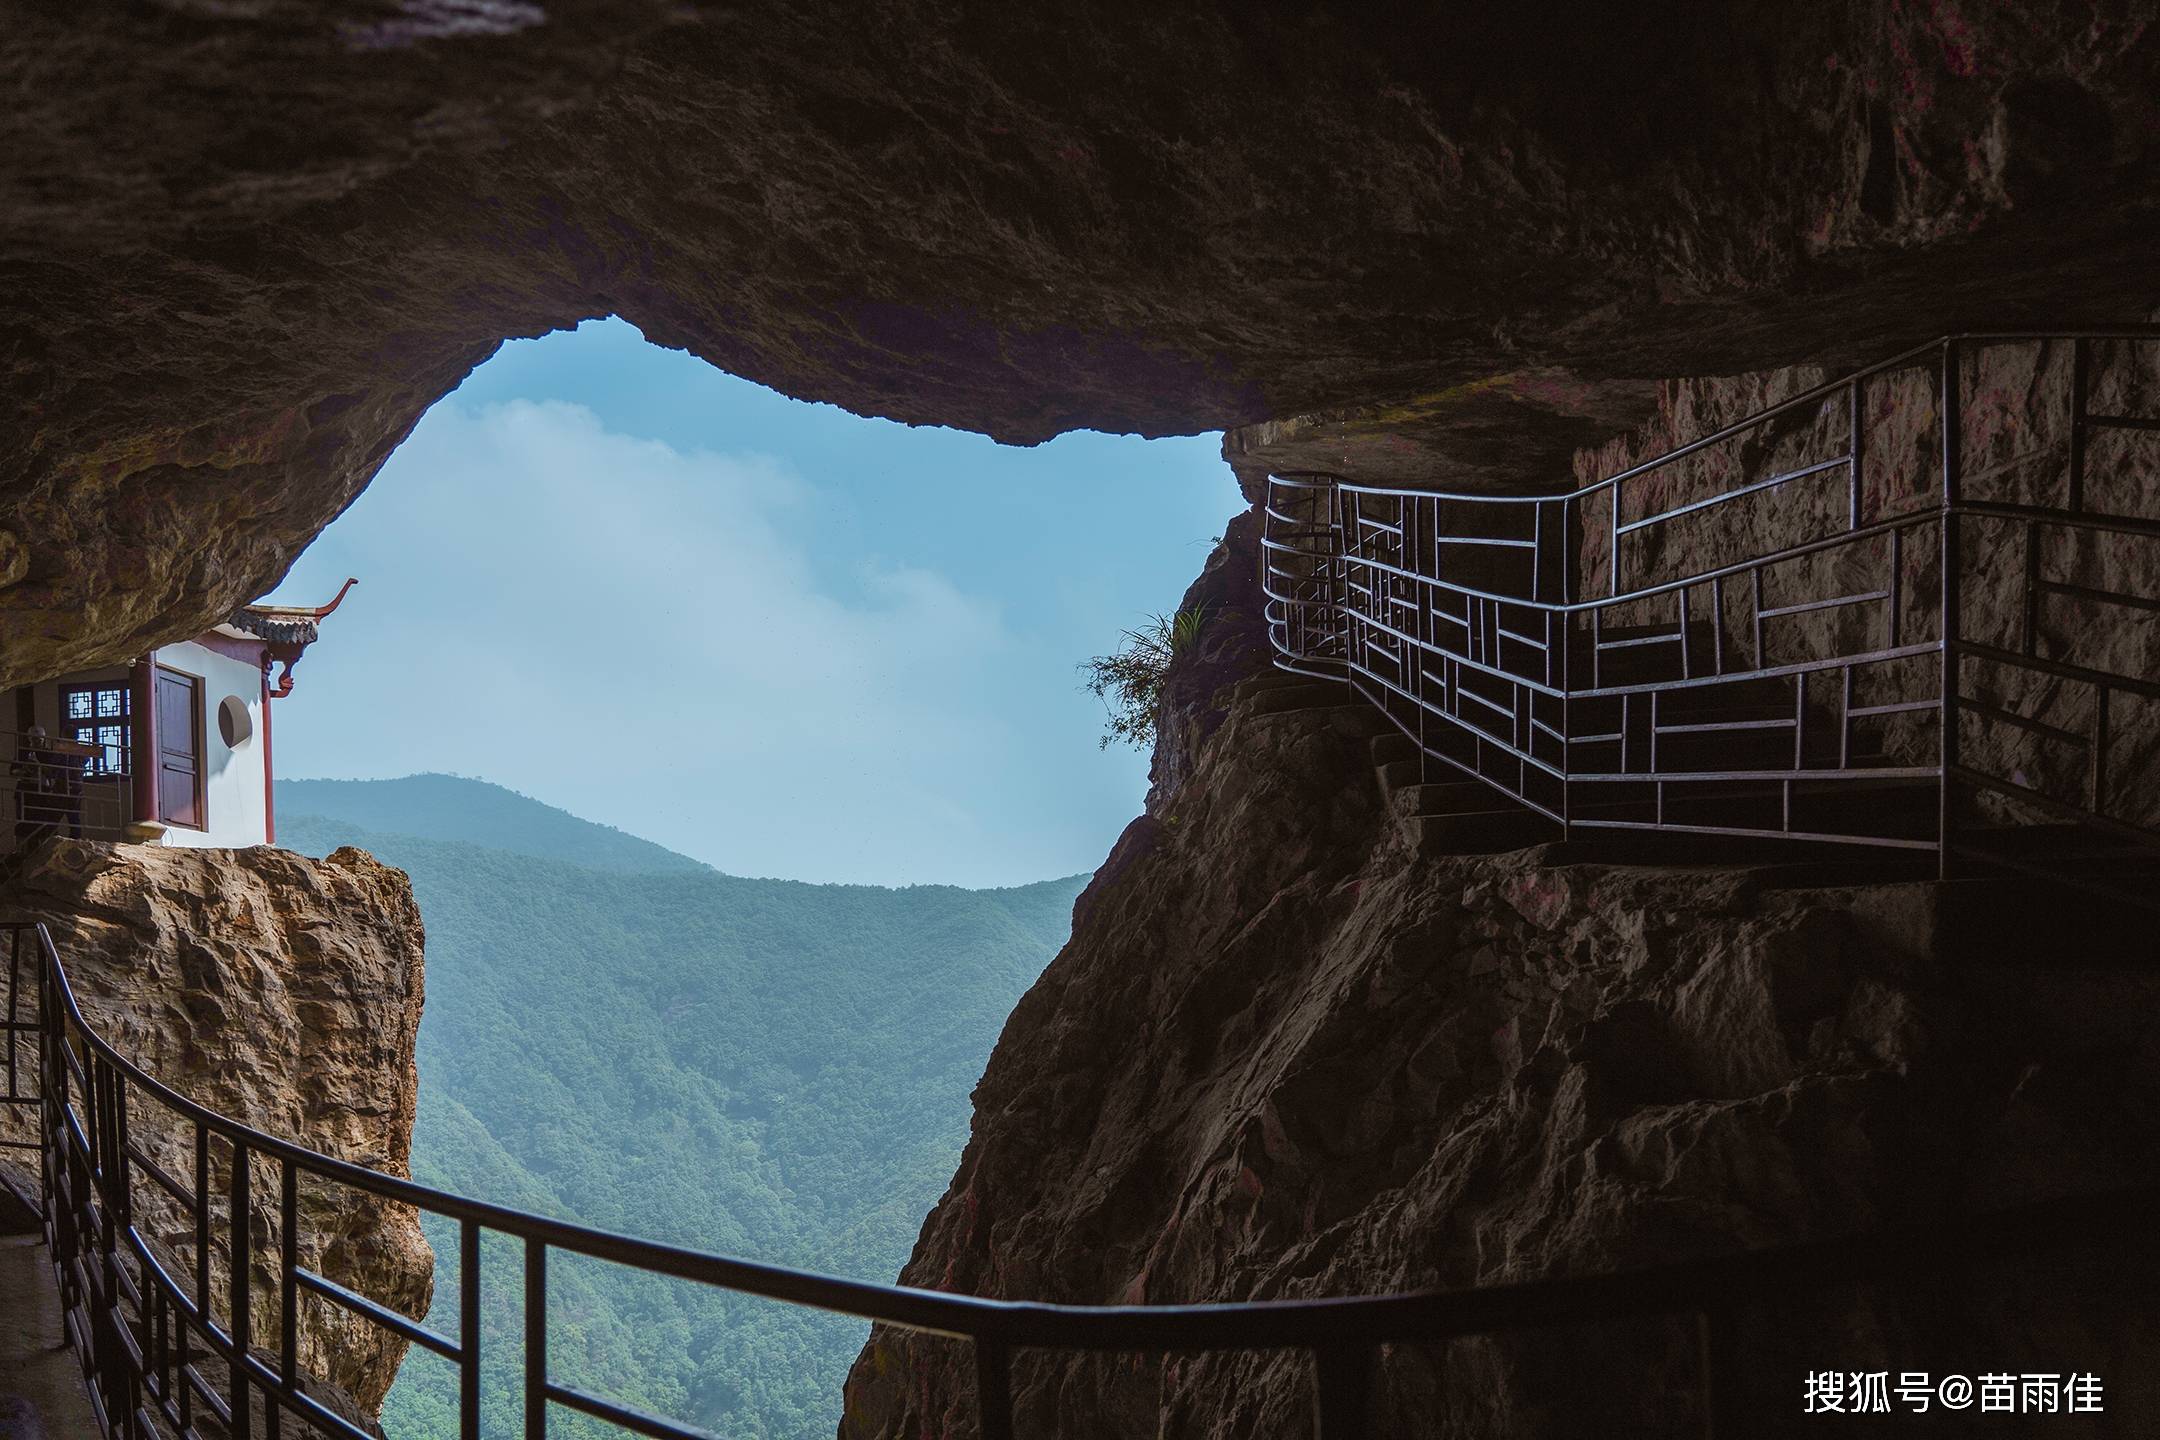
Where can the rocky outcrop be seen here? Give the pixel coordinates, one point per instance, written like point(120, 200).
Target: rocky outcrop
point(242, 247)
point(1285, 1054)
point(1232, 643)
point(284, 992)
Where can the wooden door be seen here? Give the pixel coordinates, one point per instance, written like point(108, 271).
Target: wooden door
point(179, 737)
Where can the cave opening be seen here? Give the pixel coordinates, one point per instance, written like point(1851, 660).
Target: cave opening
point(779, 639)
point(772, 635)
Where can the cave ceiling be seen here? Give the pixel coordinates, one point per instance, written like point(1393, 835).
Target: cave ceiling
point(245, 243)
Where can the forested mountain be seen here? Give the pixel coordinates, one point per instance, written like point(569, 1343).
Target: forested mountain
point(766, 1068)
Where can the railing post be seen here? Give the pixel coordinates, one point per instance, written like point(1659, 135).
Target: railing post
point(161, 1341)
point(536, 1368)
point(1612, 558)
point(1571, 592)
point(1948, 624)
point(993, 1387)
point(2102, 733)
point(1571, 587)
point(1858, 452)
point(468, 1329)
point(14, 1003)
point(49, 1067)
point(104, 1285)
point(2079, 384)
point(121, 1163)
point(93, 1119)
point(203, 1297)
point(1714, 1337)
point(1341, 1392)
point(1571, 532)
point(1339, 572)
point(119, 1214)
point(2029, 620)
point(1537, 551)
point(288, 1277)
point(203, 1307)
point(240, 1249)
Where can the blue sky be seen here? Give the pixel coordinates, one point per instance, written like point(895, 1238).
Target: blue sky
point(773, 635)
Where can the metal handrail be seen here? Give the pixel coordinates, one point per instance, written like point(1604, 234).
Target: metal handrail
point(1492, 672)
point(128, 1328)
point(1906, 521)
point(48, 787)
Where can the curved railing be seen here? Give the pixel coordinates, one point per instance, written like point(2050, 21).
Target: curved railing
point(1753, 635)
point(151, 1323)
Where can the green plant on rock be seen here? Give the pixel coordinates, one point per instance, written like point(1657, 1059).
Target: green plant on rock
point(1129, 681)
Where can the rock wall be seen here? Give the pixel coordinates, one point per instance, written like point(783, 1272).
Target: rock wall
point(243, 247)
point(1286, 1055)
point(284, 992)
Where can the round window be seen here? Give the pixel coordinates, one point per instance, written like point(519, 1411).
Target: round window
point(233, 724)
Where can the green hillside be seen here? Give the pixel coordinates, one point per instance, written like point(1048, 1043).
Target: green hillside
point(767, 1068)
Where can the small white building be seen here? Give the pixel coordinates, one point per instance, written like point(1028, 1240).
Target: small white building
point(171, 750)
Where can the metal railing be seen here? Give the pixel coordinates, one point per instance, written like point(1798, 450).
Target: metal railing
point(153, 1320)
point(53, 788)
point(1797, 626)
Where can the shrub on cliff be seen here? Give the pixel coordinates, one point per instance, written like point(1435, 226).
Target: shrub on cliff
point(1129, 681)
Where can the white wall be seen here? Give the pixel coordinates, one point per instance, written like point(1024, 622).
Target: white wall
point(234, 800)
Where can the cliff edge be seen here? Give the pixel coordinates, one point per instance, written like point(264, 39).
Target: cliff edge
point(1291, 1052)
point(284, 992)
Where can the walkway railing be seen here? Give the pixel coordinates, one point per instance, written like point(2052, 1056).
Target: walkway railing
point(54, 787)
point(1901, 609)
point(166, 1328)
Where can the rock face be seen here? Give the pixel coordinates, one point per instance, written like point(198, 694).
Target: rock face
point(1285, 1054)
point(284, 992)
point(242, 247)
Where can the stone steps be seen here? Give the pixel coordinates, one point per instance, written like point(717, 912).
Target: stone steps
point(1267, 695)
point(1449, 816)
point(1484, 832)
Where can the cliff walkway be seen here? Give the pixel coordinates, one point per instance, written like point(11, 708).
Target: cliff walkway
point(179, 1239)
point(41, 1389)
point(1919, 630)
point(1911, 610)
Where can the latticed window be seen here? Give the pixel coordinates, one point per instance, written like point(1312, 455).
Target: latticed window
point(98, 715)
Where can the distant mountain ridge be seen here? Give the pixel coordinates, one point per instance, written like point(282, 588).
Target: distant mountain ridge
point(477, 812)
point(619, 1035)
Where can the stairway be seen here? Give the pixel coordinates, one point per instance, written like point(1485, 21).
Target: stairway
point(1441, 809)
point(1456, 814)
point(1561, 646)
point(1740, 725)
point(1451, 814)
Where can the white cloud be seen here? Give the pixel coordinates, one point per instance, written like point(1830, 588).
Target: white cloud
point(655, 638)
